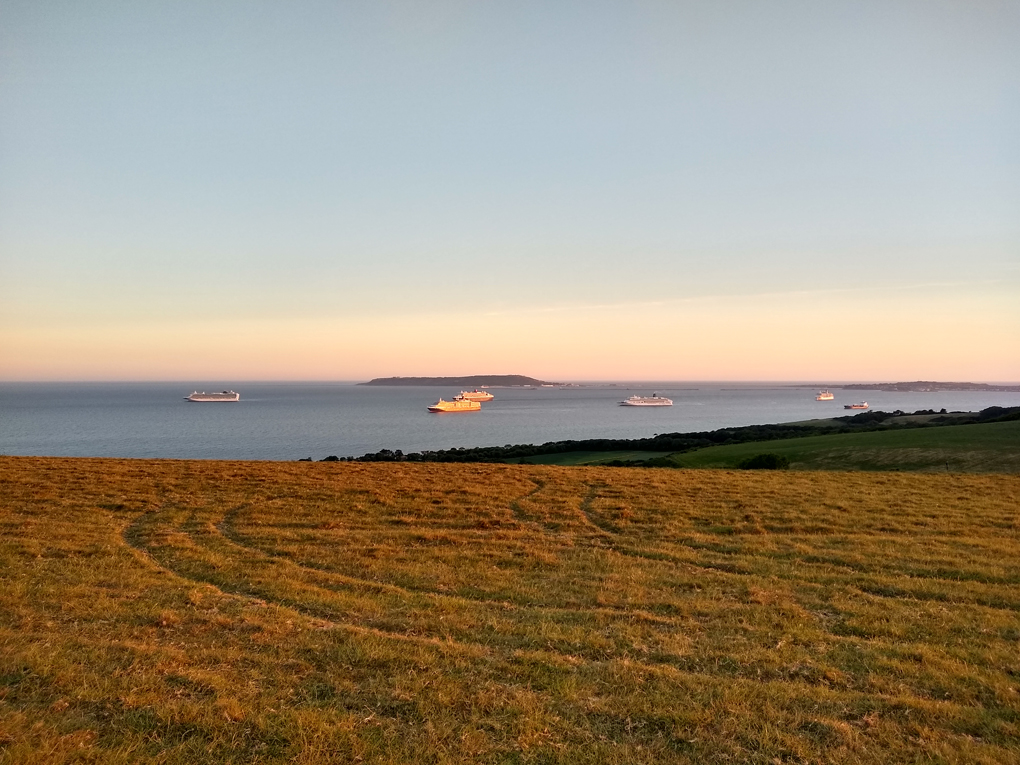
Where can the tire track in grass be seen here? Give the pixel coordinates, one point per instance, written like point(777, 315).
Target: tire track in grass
point(799, 562)
point(551, 528)
point(229, 578)
point(585, 511)
point(135, 536)
point(230, 583)
point(515, 504)
point(676, 667)
point(611, 538)
point(226, 527)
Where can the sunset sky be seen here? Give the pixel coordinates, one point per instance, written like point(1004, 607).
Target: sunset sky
point(568, 190)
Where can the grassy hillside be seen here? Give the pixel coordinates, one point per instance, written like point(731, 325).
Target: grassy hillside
point(978, 448)
point(572, 452)
point(208, 612)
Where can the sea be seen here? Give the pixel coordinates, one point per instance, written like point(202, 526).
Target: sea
point(294, 420)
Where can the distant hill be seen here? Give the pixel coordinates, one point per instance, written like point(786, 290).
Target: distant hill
point(927, 385)
point(468, 381)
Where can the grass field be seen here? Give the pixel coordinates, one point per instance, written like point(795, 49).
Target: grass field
point(979, 448)
point(201, 612)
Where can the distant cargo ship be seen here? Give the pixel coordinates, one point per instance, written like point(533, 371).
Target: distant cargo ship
point(227, 395)
point(457, 405)
point(824, 395)
point(862, 405)
point(473, 395)
point(654, 400)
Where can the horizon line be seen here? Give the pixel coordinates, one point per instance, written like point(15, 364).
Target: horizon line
point(563, 381)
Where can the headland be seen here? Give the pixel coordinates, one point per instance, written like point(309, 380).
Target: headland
point(490, 381)
point(924, 386)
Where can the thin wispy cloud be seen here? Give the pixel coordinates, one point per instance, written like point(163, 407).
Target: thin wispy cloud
point(724, 297)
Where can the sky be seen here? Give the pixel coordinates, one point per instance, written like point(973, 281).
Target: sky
point(824, 191)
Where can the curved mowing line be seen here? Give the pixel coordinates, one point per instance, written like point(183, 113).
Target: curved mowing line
point(226, 529)
point(515, 504)
point(586, 515)
point(814, 559)
point(611, 535)
point(906, 597)
point(611, 538)
point(231, 534)
point(133, 536)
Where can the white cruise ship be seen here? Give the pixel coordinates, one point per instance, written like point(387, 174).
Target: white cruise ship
point(227, 395)
point(654, 400)
point(824, 395)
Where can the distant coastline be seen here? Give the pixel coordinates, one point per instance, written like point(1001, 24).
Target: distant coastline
point(923, 386)
point(662, 445)
point(470, 380)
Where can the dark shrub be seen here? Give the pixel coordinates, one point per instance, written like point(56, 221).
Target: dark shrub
point(766, 461)
point(659, 462)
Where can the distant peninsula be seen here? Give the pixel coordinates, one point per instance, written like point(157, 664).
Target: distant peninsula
point(922, 386)
point(501, 381)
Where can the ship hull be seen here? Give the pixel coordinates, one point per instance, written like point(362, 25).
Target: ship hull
point(450, 407)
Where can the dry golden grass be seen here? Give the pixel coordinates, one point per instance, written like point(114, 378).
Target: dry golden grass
point(182, 612)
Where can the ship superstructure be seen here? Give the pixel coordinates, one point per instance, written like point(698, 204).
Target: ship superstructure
point(473, 395)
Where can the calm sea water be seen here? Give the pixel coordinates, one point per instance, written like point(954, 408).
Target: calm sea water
point(287, 421)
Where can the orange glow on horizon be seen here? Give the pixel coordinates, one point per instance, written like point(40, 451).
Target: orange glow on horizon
point(786, 337)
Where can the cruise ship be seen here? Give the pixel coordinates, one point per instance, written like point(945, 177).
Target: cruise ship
point(457, 405)
point(473, 395)
point(227, 395)
point(824, 395)
point(654, 400)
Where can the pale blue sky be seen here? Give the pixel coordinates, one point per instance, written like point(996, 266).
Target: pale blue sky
point(263, 171)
